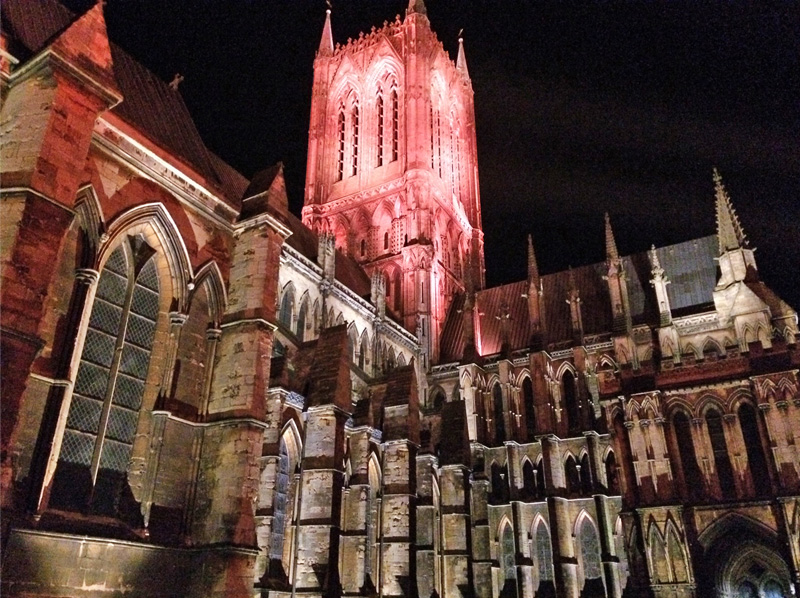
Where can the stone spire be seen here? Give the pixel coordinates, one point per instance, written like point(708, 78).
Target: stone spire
point(416, 6)
point(729, 230)
point(611, 243)
point(326, 43)
point(533, 267)
point(461, 61)
point(535, 297)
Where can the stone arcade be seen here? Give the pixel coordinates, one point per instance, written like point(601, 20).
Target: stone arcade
point(204, 395)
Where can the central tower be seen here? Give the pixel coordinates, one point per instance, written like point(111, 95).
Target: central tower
point(393, 169)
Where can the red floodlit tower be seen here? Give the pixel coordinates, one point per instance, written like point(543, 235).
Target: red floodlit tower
point(393, 168)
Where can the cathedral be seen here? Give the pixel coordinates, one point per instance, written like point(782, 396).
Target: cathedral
point(204, 394)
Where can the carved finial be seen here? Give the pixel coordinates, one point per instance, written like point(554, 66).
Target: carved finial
point(654, 262)
point(176, 80)
point(729, 230)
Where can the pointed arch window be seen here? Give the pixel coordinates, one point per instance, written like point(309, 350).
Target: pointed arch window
point(590, 550)
point(573, 477)
point(528, 480)
point(530, 416)
point(721, 456)
point(395, 124)
point(287, 306)
point(340, 133)
point(756, 462)
point(302, 316)
point(540, 489)
point(354, 138)
point(381, 117)
point(692, 477)
point(499, 414)
point(280, 503)
point(571, 400)
point(544, 553)
point(612, 476)
point(110, 383)
point(586, 476)
point(507, 554)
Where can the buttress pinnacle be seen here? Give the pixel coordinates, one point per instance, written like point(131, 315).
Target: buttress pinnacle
point(729, 230)
point(533, 267)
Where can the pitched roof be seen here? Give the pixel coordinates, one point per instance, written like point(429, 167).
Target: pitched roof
point(348, 272)
point(149, 104)
point(690, 267)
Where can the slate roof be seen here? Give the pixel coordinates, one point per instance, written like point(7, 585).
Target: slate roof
point(149, 104)
point(690, 267)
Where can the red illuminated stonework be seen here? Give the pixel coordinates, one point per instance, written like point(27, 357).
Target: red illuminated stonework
point(392, 167)
point(205, 396)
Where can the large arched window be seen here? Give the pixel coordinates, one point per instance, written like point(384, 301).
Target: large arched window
point(530, 415)
point(722, 459)
point(110, 382)
point(499, 414)
point(756, 462)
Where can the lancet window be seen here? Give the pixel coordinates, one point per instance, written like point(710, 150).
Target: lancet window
point(381, 117)
point(590, 550)
point(340, 133)
point(395, 124)
point(722, 459)
point(543, 553)
point(109, 387)
point(354, 124)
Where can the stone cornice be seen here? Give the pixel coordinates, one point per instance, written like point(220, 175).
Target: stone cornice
point(114, 142)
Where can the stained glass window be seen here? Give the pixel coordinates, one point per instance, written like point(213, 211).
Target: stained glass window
point(590, 550)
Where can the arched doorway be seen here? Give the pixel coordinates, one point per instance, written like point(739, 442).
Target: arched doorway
point(742, 560)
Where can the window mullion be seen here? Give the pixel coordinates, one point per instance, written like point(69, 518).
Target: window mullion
point(112, 376)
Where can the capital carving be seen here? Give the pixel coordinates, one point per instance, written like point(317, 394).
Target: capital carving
point(87, 276)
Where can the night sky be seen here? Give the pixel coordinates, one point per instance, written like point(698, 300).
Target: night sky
point(581, 108)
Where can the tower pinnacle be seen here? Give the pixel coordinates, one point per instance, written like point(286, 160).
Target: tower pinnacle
point(533, 267)
point(729, 230)
point(461, 61)
point(326, 43)
point(611, 244)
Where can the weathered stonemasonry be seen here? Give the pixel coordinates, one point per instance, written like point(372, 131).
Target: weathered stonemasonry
point(204, 395)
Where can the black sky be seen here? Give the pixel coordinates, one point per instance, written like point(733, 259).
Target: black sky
point(581, 108)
